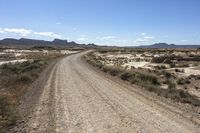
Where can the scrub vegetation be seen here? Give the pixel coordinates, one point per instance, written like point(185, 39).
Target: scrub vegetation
point(153, 80)
point(15, 79)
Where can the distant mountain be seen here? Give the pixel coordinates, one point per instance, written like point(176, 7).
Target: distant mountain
point(27, 43)
point(165, 45)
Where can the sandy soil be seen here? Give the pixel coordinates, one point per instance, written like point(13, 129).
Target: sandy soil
point(187, 71)
point(13, 61)
point(72, 97)
point(136, 64)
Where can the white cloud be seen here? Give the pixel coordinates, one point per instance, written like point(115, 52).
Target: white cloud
point(25, 32)
point(82, 38)
point(143, 34)
point(48, 34)
point(140, 40)
point(106, 37)
point(1, 31)
point(83, 35)
point(121, 41)
point(21, 31)
point(58, 23)
point(144, 39)
point(183, 41)
point(102, 40)
point(148, 37)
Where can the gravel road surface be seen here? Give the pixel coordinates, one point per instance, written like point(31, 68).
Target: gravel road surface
point(74, 98)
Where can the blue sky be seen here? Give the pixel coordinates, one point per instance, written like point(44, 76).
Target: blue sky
point(104, 22)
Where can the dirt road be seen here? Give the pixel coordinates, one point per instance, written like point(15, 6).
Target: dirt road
point(76, 98)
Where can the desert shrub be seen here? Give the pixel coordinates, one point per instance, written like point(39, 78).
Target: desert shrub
point(196, 58)
point(152, 88)
point(160, 67)
point(151, 83)
point(167, 61)
point(15, 79)
point(31, 66)
point(7, 69)
point(18, 68)
point(146, 77)
point(195, 64)
point(137, 81)
point(185, 87)
point(115, 71)
point(172, 65)
point(20, 73)
point(139, 77)
point(24, 78)
point(90, 58)
point(185, 97)
point(126, 61)
point(106, 68)
point(179, 70)
point(8, 113)
point(197, 77)
point(177, 95)
point(158, 59)
point(196, 87)
point(187, 81)
point(157, 67)
point(103, 51)
point(171, 84)
point(126, 75)
point(98, 64)
point(181, 81)
point(167, 74)
point(183, 65)
point(163, 67)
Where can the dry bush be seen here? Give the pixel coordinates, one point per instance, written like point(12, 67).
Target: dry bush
point(148, 80)
point(8, 113)
point(15, 79)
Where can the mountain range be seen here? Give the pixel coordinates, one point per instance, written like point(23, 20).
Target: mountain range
point(165, 45)
point(27, 43)
point(58, 43)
